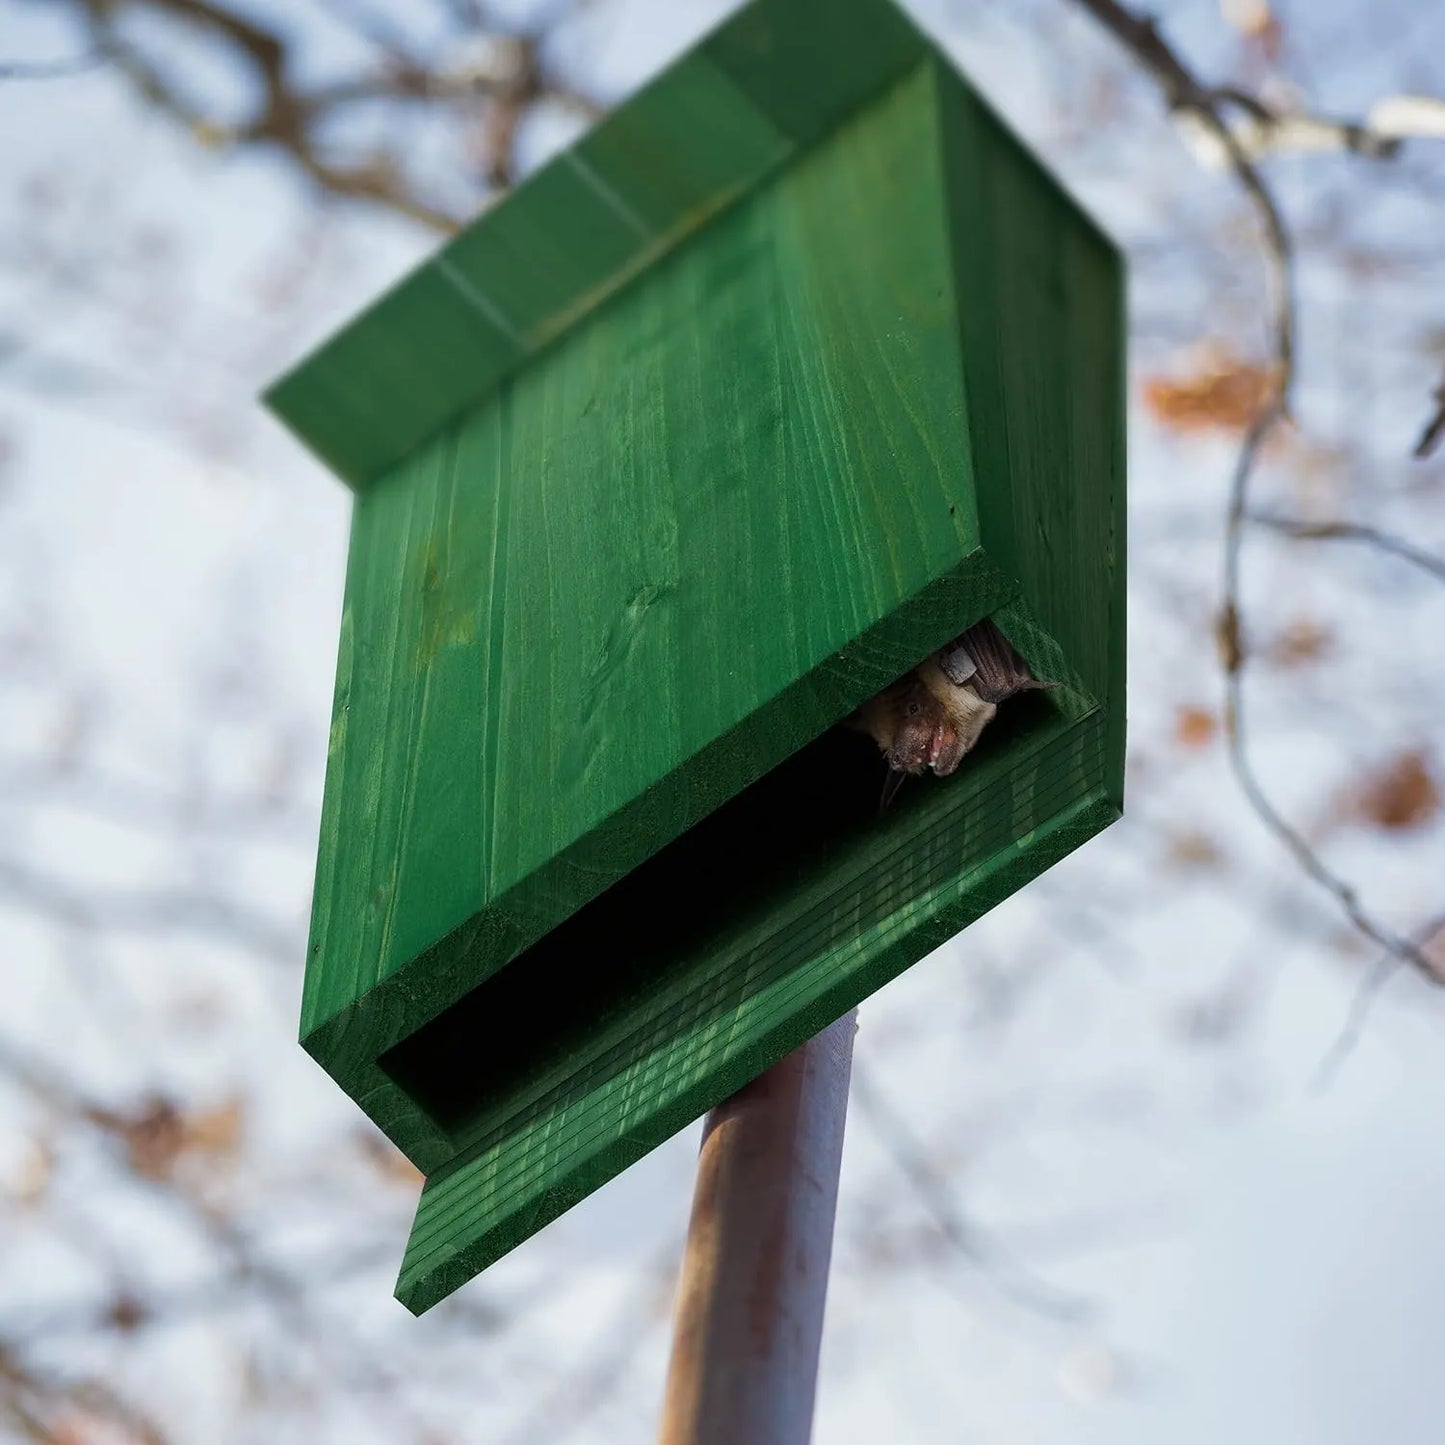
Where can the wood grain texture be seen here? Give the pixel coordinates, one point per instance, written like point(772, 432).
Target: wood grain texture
point(647, 569)
point(693, 141)
point(721, 1013)
point(1041, 317)
point(592, 855)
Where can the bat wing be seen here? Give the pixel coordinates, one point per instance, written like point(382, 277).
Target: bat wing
point(998, 672)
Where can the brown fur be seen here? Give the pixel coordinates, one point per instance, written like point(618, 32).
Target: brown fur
point(926, 720)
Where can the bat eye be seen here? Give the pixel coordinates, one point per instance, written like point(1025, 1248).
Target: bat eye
point(914, 709)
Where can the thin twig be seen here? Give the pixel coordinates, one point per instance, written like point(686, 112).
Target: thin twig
point(1434, 428)
point(54, 69)
point(159, 911)
point(936, 1195)
point(290, 118)
point(1385, 967)
point(1257, 128)
point(31, 1394)
point(1185, 93)
point(263, 818)
point(1336, 531)
point(227, 1290)
point(1260, 131)
point(580, 1392)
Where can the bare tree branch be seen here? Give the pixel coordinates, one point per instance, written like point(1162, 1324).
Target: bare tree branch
point(1255, 128)
point(54, 69)
point(265, 817)
point(1260, 130)
point(1373, 985)
point(289, 117)
point(583, 1390)
point(935, 1193)
point(126, 1311)
point(1353, 532)
point(1434, 428)
point(1185, 93)
point(37, 1401)
point(173, 910)
point(1404, 116)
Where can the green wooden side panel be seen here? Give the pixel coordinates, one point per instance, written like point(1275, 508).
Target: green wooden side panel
point(772, 79)
point(788, 372)
point(1038, 293)
point(1041, 314)
point(560, 611)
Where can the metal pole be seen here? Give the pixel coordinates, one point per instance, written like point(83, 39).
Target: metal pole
point(749, 1314)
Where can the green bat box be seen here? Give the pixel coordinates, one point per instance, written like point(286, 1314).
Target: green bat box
point(789, 371)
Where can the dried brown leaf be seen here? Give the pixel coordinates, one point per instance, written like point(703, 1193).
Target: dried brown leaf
point(1257, 24)
point(1194, 727)
point(387, 1159)
point(219, 1130)
point(1434, 951)
point(126, 1313)
point(32, 1180)
point(1224, 394)
point(1248, 17)
point(158, 1134)
point(153, 1137)
point(1193, 849)
point(1401, 796)
point(1301, 643)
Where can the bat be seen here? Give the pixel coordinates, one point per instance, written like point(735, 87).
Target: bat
point(932, 716)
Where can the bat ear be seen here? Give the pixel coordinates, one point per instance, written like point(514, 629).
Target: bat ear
point(1000, 671)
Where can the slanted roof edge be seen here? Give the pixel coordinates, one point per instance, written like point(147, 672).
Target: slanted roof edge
point(770, 80)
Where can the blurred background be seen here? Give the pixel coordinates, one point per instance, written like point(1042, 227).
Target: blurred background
point(1151, 1153)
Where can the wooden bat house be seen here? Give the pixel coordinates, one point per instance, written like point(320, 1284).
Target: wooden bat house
point(790, 370)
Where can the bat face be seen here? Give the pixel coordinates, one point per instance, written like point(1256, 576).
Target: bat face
point(931, 717)
point(917, 730)
point(922, 721)
point(903, 720)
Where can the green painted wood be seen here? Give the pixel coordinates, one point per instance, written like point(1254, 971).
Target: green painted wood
point(716, 1015)
point(688, 145)
point(824, 372)
point(550, 667)
point(1041, 316)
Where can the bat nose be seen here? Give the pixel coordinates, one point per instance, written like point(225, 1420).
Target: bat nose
point(910, 753)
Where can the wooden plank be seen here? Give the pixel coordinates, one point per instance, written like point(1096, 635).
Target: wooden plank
point(1041, 312)
point(707, 523)
point(714, 1017)
point(777, 75)
point(625, 552)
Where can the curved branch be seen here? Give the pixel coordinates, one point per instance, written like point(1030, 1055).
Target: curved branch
point(288, 116)
point(1186, 94)
point(54, 69)
point(1376, 537)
